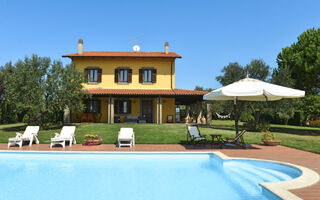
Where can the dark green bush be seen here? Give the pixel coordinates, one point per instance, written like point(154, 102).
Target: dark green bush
point(263, 126)
point(254, 126)
point(250, 125)
point(298, 119)
point(246, 117)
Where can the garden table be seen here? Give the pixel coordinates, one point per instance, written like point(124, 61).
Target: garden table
point(216, 139)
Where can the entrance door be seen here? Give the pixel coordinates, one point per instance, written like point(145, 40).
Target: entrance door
point(146, 110)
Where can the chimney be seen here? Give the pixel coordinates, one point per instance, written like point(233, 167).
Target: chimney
point(80, 46)
point(166, 45)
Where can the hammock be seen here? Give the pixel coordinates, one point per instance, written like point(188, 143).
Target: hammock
point(223, 116)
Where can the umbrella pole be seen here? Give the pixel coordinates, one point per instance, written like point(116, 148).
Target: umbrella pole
point(236, 116)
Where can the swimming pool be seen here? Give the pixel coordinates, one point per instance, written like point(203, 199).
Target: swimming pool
point(135, 176)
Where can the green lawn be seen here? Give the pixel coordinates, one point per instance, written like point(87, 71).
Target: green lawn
point(304, 138)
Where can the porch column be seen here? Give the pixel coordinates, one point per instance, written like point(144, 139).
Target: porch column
point(209, 112)
point(199, 112)
point(159, 110)
point(111, 110)
point(66, 116)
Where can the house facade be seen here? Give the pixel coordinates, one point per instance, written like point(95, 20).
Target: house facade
point(131, 86)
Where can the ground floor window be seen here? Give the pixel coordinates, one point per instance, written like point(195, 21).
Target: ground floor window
point(177, 113)
point(122, 106)
point(92, 106)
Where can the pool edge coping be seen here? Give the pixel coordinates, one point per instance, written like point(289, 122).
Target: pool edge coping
point(281, 189)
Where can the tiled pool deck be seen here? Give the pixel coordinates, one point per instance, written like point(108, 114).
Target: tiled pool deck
point(278, 153)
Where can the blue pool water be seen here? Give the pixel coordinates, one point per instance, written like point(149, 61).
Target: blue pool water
point(136, 176)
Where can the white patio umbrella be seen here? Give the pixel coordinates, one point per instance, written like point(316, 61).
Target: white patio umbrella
point(249, 89)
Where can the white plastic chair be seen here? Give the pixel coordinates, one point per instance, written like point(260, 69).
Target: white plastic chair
point(30, 134)
point(126, 137)
point(67, 134)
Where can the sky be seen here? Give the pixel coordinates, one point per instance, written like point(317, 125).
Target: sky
point(207, 34)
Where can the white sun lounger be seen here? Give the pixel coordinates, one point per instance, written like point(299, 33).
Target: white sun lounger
point(67, 134)
point(30, 134)
point(126, 137)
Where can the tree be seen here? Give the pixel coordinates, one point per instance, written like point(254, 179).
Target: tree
point(63, 89)
point(1, 86)
point(282, 76)
point(303, 60)
point(7, 114)
point(231, 73)
point(311, 107)
point(24, 87)
point(283, 109)
point(38, 91)
point(1, 96)
point(200, 88)
point(257, 69)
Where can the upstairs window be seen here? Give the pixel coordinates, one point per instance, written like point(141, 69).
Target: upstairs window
point(93, 75)
point(147, 75)
point(123, 75)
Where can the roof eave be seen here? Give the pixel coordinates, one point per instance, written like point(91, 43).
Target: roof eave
point(73, 56)
point(142, 92)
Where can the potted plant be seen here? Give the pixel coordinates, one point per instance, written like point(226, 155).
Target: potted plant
point(90, 140)
point(203, 120)
point(270, 139)
point(187, 119)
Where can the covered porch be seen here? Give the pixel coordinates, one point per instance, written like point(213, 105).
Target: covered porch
point(138, 106)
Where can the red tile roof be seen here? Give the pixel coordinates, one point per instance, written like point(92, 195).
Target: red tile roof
point(143, 92)
point(124, 54)
point(189, 92)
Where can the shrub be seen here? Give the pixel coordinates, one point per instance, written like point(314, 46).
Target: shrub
point(246, 117)
point(315, 123)
point(263, 127)
point(269, 136)
point(298, 119)
point(254, 126)
point(250, 125)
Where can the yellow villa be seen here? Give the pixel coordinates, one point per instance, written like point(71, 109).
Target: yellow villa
point(132, 86)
